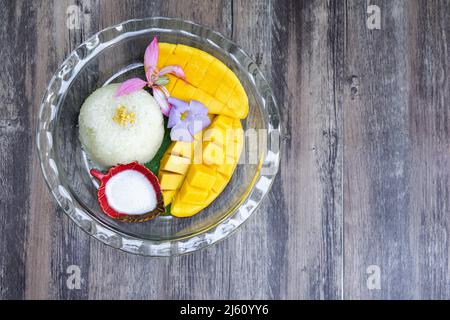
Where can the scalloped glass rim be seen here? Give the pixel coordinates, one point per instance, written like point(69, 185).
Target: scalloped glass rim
point(55, 94)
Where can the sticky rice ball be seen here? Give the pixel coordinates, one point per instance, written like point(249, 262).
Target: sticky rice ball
point(123, 129)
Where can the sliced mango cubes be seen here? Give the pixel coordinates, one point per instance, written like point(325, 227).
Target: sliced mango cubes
point(193, 174)
point(210, 81)
point(211, 163)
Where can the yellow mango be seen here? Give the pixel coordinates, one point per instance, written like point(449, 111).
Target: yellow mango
point(182, 50)
point(216, 135)
point(208, 87)
point(183, 210)
point(165, 51)
point(196, 71)
point(234, 102)
point(223, 122)
point(224, 92)
point(169, 180)
point(168, 196)
point(201, 176)
point(234, 82)
point(207, 74)
point(229, 112)
point(202, 96)
point(227, 169)
point(180, 60)
point(193, 195)
point(203, 182)
point(172, 82)
point(241, 113)
point(216, 70)
point(173, 163)
point(212, 153)
point(203, 58)
point(238, 149)
point(233, 146)
point(219, 185)
point(214, 106)
point(181, 149)
point(237, 126)
point(183, 90)
point(211, 196)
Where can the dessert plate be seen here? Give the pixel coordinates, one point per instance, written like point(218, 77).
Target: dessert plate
point(114, 55)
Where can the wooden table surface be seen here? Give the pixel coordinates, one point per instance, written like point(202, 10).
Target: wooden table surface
point(363, 191)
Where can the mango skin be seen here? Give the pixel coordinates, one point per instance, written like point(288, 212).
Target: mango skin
point(210, 81)
point(204, 181)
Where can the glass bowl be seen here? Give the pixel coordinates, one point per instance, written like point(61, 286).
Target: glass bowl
point(115, 54)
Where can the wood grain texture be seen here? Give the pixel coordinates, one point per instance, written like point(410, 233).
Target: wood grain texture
point(15, 143)
point(364, 177)
point(304, 35)
point(396, 151)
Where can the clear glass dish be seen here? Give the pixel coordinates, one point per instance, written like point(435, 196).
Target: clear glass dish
point(114, 54)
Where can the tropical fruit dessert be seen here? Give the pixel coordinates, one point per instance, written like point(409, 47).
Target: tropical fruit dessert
point(172, 151)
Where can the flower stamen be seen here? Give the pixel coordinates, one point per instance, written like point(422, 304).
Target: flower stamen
point(122, 117)
point(183, 115)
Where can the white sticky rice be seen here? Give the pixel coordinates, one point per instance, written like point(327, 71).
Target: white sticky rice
point(108, 143)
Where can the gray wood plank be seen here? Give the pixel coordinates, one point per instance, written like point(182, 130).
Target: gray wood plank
point(308, 193)
point(15, 143)
point(53, 242)
point(396, 151)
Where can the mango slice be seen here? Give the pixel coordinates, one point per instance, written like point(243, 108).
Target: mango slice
point(176, 164)
point(170, 181)
point(210, 81)
point(168, 196)
point(201, 177)
point(204, 180)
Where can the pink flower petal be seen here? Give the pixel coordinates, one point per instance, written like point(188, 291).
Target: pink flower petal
point(161, 99)
point(164, 89)
point(151, 54)
point(130, 86)
point(149, 74)
point(173, 69)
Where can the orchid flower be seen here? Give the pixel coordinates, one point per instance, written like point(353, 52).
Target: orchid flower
point(156, 78)
point(186, 119)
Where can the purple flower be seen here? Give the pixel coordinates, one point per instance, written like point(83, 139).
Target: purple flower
point(186, 119)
